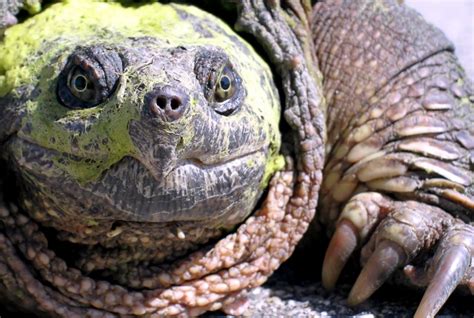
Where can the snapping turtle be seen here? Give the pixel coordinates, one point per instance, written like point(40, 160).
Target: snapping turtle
point(136, 142)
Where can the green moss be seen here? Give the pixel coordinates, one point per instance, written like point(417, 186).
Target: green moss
point(92, 222)
point(79, 20)
point(33, 6)
point(275, 163)
point(465, 100)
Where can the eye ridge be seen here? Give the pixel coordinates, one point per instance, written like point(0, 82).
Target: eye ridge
point(89, 77)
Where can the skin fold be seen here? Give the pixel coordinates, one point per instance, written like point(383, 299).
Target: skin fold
point(147, 140)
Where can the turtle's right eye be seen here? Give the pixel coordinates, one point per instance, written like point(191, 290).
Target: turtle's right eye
point(226, 85)
point(89, 77)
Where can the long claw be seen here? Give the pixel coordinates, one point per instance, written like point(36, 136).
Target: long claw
point(343, 243)
point(387, 257)
point(452, 267)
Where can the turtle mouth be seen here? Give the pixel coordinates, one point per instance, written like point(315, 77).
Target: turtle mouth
point(205, 163)
point(192, 190)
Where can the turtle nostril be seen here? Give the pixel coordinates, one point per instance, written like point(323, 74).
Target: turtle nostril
point(167, 102)
point(175, 103)
point(161, 101)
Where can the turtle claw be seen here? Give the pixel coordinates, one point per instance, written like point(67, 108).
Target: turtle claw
point(411, 229)
point(391, 235)
point(450, 270)
point(341, 247)
point(359, 217)
point(386, 258)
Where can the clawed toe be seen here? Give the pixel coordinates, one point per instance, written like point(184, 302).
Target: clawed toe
point(451, 263)
point(387, 257)
point(357, 220)
point(341, 247)
point(393, 234)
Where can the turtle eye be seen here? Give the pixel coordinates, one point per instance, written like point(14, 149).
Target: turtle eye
point(225, 87)
point(228, 91)
point(221, 84)
point(80, 85)
point(89, 77)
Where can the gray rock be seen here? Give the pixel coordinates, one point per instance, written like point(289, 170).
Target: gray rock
point(286, 297)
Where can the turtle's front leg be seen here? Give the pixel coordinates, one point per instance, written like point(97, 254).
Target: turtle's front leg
point(398, 180)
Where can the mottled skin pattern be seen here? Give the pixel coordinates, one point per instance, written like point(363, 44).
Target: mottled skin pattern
point(398, 176)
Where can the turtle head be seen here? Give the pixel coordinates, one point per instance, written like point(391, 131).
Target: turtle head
point(167, 118)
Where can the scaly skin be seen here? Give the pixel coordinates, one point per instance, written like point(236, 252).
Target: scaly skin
point(398, 179)
point(49, 151)
point(395, 177)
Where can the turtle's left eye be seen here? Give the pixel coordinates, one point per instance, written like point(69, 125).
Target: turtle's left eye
point(89, 77)
point(225, 87)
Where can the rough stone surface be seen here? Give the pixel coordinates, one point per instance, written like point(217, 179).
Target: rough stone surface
point(308, 299)
point(286, 294)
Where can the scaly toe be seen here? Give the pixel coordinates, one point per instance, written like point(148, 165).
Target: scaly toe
point(452, 262)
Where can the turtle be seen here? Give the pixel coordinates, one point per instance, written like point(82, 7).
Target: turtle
point(154, 164)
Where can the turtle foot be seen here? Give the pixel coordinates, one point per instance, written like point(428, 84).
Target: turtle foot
point(395, 236)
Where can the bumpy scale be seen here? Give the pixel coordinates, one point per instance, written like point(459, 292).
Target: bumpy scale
point(104, 128)
point(398, 179)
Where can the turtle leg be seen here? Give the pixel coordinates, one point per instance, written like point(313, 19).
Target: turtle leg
point(394, 235)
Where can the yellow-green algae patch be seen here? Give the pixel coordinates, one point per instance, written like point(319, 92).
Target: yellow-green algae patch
point(33, 6)
point(34, 51)
point(79, 20)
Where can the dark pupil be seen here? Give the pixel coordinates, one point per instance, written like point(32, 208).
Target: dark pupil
point(80, 83)
point(225, 82)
